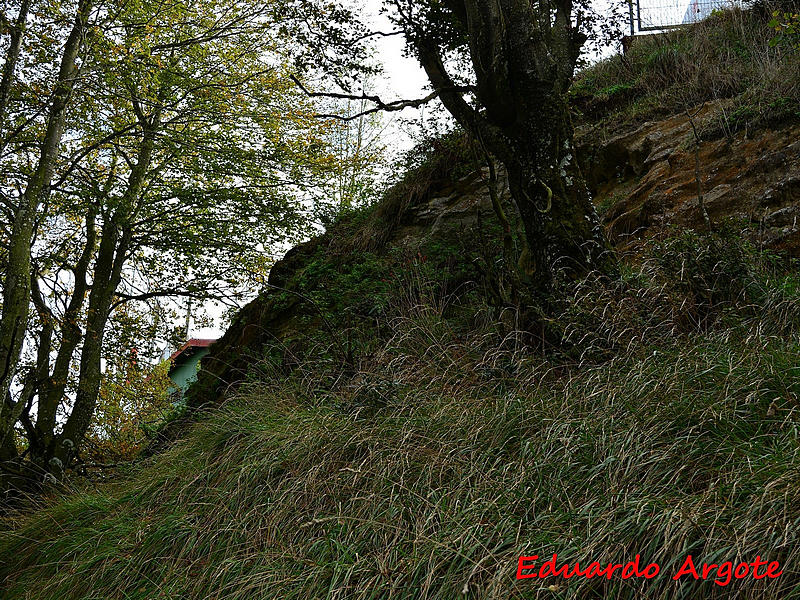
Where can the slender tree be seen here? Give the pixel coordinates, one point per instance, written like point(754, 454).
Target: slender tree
point(17, 280)
point(190, 153)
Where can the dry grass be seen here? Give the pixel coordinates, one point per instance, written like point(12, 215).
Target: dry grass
point(443, 456)
point(726, 57)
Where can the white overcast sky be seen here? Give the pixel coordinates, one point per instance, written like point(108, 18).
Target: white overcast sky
point(402, 76)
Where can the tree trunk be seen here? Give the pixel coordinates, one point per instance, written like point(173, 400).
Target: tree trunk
point(64, 446)
point(523, 58)
point(562, 228)
point(8, 447)
point(16, 286)
point(51, 391)
point(115, 242)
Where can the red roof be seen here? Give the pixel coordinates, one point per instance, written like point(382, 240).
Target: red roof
point(192, 343)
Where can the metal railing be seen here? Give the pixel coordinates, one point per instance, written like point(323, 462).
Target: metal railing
point(655, 15)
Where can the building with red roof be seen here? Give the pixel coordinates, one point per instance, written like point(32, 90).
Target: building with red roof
point(185, 362)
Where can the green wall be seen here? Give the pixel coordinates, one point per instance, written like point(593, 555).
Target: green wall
point(185, 374)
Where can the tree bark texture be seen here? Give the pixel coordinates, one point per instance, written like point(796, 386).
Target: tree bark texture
point(16, 285)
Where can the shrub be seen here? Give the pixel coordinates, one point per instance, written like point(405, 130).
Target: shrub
point(787, 28)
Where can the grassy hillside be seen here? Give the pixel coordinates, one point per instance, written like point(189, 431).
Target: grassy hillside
point(728, 57)
point(395, 436)
point(426, 468)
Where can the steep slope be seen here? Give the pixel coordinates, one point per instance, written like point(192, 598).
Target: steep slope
point(378, 431)
point(723, 79)
point(645, 186)
point(427, 464)
point(371, 427)
point(337, 283)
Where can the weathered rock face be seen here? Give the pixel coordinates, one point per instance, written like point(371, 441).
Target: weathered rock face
point(646, 178)
point(445, 212)
point(455, 206)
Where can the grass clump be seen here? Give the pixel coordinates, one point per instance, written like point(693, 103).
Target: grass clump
point(443, 454)
point(728, 56)
point(677, 287)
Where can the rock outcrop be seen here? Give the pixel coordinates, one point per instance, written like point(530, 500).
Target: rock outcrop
point(646, 179)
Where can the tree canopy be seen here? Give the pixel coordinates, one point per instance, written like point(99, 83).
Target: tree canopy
point(156, 152)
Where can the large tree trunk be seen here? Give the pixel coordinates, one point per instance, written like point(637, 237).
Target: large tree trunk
point(523, 56)
point(562, 228)
point(16, 285)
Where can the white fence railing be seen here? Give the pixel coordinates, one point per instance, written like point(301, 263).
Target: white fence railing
point(654, 15)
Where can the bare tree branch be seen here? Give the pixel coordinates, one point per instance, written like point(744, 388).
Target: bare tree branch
point(380, 105)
